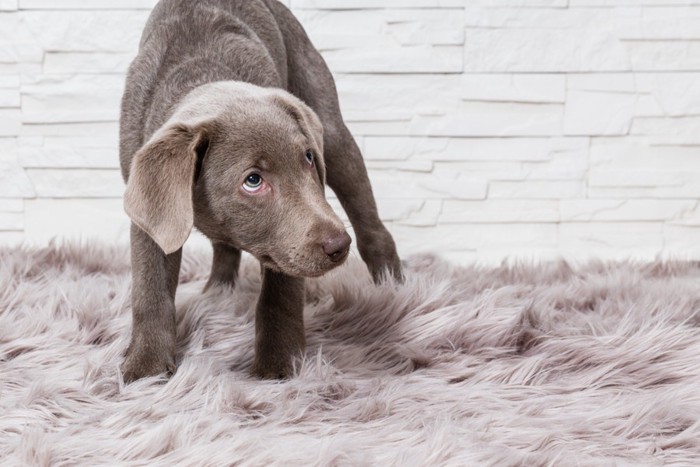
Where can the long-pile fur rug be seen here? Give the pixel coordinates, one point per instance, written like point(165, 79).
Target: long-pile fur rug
point(515, 365)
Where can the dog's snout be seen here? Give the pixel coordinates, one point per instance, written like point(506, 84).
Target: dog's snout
point(337, 246)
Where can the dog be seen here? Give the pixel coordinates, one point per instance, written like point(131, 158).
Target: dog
point(230, 123)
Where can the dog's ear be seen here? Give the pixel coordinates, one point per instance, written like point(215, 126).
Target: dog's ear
point(158, 194)
point(309, 123)
point(316, 127)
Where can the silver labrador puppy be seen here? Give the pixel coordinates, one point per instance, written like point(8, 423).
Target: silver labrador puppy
point(230, 123)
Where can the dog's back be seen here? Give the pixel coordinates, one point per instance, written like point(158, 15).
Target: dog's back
point(186, 44)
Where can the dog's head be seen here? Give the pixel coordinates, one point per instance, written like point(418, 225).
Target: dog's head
point(245, 165)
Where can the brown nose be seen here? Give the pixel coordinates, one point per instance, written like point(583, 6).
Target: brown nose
point(337, 246)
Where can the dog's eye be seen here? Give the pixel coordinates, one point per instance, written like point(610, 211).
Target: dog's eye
point(310, 157)
point(252, 183)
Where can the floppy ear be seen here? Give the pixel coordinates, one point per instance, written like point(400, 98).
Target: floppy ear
point(316, 127)
point(158, 194)
point(308, 121)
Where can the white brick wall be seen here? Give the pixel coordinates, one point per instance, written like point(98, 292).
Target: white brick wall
point(491, 128)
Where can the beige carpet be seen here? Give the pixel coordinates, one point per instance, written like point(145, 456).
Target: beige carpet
point(524, 365)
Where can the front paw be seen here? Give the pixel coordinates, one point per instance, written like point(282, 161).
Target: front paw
point(142, 361)
point(273, 368)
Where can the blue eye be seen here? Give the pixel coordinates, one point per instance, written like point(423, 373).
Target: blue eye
point(310, 157)
point(253, 182)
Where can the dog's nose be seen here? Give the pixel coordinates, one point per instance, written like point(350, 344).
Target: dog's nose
point(337, 246)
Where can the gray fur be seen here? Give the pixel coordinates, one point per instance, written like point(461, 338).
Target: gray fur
point(219, 88)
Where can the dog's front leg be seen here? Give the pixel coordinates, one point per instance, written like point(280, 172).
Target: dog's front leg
point(224, 266)
point(279, 325)
point(154, 281)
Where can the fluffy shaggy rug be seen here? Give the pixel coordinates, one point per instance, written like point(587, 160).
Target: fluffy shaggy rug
point(515, 365)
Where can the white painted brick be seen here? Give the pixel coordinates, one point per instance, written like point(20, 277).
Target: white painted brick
point(635, 178)
point(13, 180)
point(514, 87)
point(690, 216)
point(498, 211)
point(407, 59)
point(85, 5)
point(563, 19)
point(97, 129)
point(399, 208)
point(68, 157)
point(493, 119)
point(523, 3)
point(638, 154)
point(10, 121)
point(102, 219)
point(66, 98)
point(76, 152)
point(536, 189)
point(681, 241)
point(623, 210)
point(11, 221)
point(599, 113)
point(677, 94)
point(689, 188)
point(12, 239)
point(75, 31)
point(77, 183)
point(370, 98)
point(633, 23)
point(87, 62)
point(414, 165)
point(470, 149)
point(17, 43)
point(664, 55)
point(616, 239)
point(525, 50)
point(439, 27)
point(663, 24)
point(9, 81)
point(461, 109)
point(379, 128)
point(612, 3)
point(497, 170)
point(86, 141)
point(668, 131)
point(426, 216)
point(452, 237)
point(565, 164)
point(369, 4)
point(631, 167)
point(386, 185)
point(384, 29)
point(23, 69)
point(8, 5)
point(11, 205)
point(9, 98)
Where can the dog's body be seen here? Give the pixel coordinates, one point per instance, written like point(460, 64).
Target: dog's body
point(227, 117)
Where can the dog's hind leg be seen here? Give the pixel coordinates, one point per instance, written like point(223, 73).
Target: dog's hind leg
point(311, 81)
point(224, 266)
point(347, 176)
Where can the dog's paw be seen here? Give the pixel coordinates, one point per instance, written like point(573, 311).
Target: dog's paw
point(272, 370)
point(378, 251)
point(141, 364)
point(388, 268)
point(385, 265)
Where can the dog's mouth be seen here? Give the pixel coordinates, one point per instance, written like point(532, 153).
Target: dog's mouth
point(292, 267)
